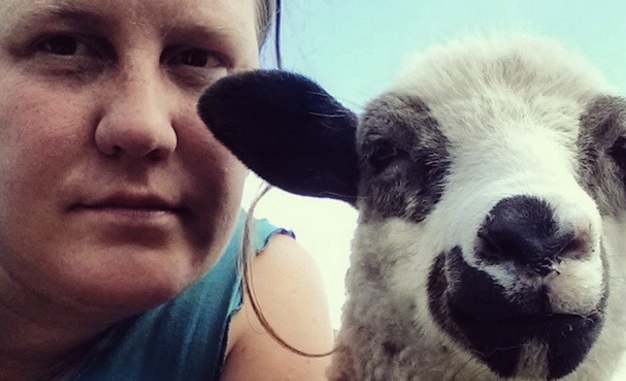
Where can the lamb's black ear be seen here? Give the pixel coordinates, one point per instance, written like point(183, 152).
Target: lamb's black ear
point(287, 129)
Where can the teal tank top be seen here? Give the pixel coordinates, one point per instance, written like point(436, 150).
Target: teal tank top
point(184, 339)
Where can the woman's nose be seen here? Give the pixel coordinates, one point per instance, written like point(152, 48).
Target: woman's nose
point(136, 121)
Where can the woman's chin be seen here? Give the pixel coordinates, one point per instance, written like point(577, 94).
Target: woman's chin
point(127, 284)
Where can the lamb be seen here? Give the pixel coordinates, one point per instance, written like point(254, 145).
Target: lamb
point(490, 183)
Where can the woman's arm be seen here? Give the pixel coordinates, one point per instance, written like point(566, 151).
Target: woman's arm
point(289, 291)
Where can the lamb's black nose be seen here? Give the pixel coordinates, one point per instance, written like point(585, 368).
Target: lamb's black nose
point(523, 230)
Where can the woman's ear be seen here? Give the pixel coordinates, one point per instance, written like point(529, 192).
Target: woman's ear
point(287, 129)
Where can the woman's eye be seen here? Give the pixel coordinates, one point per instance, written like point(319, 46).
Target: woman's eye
point(64, 45)
point(196, 58)
point(195, 67)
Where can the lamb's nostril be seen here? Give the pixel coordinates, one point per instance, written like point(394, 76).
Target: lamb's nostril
point(577, 248)
point(498, 245)
point(522, 230)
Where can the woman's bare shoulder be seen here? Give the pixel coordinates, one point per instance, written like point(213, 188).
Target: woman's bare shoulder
point(287, 286)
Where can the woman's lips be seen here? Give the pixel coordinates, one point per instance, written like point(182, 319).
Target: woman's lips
point(130, 210)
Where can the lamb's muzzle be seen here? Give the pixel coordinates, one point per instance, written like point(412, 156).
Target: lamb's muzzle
point(495, 319)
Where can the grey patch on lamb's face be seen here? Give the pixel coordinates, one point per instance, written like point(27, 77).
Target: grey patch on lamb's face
point(601, 148)
point(403, 159)
point(498, 340)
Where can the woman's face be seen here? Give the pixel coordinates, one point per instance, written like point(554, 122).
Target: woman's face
point(113, 194)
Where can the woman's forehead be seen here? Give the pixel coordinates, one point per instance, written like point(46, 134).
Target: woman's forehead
point(237, 17)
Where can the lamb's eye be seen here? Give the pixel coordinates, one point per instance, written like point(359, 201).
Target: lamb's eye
point(618, 153)
point(618, 150)
point(383, 153)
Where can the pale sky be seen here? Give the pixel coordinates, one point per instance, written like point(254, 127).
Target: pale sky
point(354, 49)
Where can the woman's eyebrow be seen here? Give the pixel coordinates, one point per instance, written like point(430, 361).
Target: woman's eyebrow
point(199, 31)
point(71, 12)
point(65, 12)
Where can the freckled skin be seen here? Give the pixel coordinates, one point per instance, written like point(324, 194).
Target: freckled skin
point(114, 195)
point(113, 111)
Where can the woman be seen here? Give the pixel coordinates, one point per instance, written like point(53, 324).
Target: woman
point(115, 199)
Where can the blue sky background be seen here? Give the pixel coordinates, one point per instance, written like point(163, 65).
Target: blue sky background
point(354, 49)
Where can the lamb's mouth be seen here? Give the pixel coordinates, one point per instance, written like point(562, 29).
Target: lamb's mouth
point(534, 324)
point(540, 326)
point(497, 331)
point(499, 343)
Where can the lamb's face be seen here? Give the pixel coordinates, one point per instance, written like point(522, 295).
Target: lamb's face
point(488, 184)
point(491, 218)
